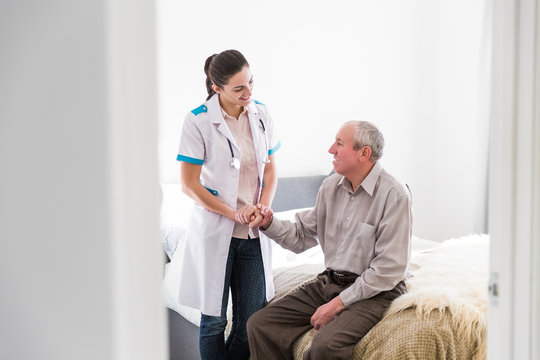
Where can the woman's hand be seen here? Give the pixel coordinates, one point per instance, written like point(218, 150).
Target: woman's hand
point(254, 216)
point(248, 215)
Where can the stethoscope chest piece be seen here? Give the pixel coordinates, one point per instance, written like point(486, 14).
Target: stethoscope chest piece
point(235, 163)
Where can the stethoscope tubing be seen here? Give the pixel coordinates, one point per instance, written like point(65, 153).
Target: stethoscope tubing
point(235, 162)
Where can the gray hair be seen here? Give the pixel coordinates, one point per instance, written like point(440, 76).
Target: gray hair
point(367, 134)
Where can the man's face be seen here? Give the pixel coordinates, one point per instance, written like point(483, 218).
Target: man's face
point(346, 159)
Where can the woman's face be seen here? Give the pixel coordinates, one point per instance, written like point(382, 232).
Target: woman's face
point(237, 92)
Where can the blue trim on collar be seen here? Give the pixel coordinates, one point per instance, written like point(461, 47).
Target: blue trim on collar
point(200, 109)
point(258, 102)
point(273, 150)
point(189, 160)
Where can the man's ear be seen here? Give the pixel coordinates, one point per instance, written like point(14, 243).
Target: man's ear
point(216, 89)
point(364, 153)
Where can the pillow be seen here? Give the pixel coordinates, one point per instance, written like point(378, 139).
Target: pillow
point(175, 211)
point(171, 236)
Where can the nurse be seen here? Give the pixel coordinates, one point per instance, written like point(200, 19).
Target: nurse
point(227, 167)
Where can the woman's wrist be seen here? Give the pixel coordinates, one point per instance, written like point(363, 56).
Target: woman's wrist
point(231, 214)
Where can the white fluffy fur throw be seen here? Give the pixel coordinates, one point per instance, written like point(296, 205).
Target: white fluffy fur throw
point(452, 277)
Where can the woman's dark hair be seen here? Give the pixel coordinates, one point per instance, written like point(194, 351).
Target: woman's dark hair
point(220, 67)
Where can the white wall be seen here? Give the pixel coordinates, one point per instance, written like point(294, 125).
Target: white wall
point(514, 196)
point(415, 68)
point(80, 257)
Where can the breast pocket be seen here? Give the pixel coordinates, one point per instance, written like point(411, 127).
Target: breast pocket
point(364, 241)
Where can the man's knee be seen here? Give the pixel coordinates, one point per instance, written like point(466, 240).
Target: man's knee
point(255, 321)
point(319, 348)
point(324, 347)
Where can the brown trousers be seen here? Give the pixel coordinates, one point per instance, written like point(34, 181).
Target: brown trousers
point(273, 330)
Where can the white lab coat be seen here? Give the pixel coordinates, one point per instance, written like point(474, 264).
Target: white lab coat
point(203, 258)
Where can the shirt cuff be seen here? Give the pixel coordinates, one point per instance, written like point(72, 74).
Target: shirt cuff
point(348, 296)
point(272, 229)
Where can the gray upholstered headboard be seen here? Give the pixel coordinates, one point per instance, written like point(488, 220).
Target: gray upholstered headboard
point(296, 192)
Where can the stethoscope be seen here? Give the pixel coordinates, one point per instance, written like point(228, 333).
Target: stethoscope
point(235, 162)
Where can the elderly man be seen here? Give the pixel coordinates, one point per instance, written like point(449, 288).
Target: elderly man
point(362, 219)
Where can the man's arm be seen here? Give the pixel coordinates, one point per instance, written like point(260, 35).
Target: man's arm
point(296, 236)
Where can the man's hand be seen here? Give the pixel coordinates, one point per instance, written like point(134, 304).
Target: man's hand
point(326, 313)
point(267, 215)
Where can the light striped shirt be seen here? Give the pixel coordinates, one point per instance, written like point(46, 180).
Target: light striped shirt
point(248, 185)
point(366, 232)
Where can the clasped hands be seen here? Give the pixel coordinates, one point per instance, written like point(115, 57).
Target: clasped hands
point(254, 215)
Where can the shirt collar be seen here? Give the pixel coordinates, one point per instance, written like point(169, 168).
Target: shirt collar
point(214, 109)
point(369, 182)
point(229, 117)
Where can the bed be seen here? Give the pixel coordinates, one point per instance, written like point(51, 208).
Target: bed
point(443, 315)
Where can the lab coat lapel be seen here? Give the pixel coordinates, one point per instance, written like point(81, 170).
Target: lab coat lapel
point(258, 135)
point(253, 119)
point(214, 111)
